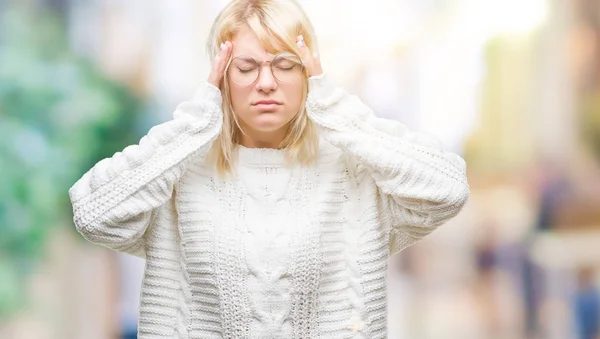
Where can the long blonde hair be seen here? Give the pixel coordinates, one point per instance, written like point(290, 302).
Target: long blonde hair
point(274, 22)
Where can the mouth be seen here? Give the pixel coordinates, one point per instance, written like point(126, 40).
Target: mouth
point(266, 104)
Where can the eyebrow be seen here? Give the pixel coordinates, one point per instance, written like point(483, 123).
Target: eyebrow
point(246, 56)
point(249, 57)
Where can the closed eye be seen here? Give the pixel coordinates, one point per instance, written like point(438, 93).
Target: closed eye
point(285, 68)
point(246, 70)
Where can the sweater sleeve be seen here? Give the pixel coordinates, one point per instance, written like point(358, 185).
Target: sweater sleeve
point(420, 186)
point(115, 201)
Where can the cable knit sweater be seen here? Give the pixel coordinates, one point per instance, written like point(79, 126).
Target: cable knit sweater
point(279, 251)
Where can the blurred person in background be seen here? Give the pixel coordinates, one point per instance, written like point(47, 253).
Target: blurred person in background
point(269, 205)
point(586, 305)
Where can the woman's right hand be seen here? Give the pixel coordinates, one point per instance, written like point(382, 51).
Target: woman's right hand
point(219, 63)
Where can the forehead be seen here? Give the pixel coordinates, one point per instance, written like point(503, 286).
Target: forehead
point(246, 42)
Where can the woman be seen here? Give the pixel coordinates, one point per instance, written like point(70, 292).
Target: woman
point(269, 205)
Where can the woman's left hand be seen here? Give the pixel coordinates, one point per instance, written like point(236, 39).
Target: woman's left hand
point(311, 61)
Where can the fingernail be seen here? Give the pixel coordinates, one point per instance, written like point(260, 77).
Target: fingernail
point(301, 37)
point(316, 54)
point(222, 46)
point(301, 43)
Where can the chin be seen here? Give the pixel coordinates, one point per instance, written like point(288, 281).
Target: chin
point(268, 128)
point(269, 123)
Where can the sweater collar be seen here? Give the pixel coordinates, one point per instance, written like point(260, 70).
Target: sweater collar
point(260, 156)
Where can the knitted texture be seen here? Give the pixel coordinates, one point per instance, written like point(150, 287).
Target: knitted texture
point(275, 251)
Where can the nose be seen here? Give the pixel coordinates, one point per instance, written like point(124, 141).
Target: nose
point(266, 80)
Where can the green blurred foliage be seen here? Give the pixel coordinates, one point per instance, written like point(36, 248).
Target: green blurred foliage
point(58, 117)
point(590, 121)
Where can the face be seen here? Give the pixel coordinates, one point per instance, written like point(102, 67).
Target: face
point(266, 106)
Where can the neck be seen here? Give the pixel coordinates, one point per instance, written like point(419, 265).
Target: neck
point(256, 139)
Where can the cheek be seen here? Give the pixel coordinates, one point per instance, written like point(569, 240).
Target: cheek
point(294, 96)
point(239, 97)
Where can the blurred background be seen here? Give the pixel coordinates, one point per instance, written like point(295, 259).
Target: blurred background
point(513, 86)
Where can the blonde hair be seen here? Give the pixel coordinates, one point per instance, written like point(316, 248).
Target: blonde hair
point(276, 23)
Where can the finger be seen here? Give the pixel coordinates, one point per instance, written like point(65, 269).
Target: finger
point(310, 60)
point(228, 51)
point(304, 51)
point(227, 56)
point(219, 63)
point(300, 41)
point(316, 59)
point(223, 57)
point(225, 48)
point(301, 44)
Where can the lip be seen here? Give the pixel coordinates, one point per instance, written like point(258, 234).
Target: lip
point(266, 103)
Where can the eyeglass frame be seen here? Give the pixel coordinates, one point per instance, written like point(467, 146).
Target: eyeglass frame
point(260, 67)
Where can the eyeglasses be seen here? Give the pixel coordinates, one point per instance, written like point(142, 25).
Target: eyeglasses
point(244, 70)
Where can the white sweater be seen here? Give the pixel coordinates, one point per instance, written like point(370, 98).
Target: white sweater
point(279, 252)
